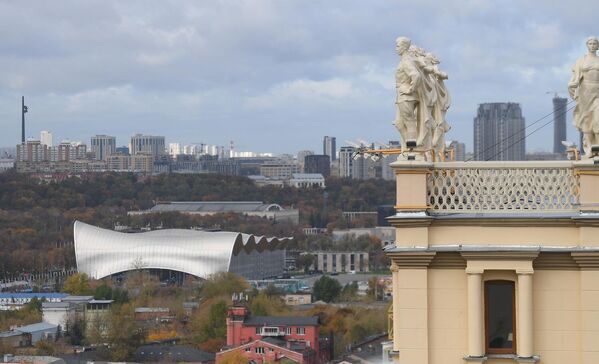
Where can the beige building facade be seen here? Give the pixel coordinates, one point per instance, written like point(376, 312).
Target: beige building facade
point(496, 262)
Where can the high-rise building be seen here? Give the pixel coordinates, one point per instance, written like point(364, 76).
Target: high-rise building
point(459, 150)
point(148, 144)
point(318, 163)
point(174, 149)
point(32, 151)
point(329, 147)
point(301, 158)
point(278, 170)
point(387, 172)
point(559, 123)
point(69, 151)
point(499, 133)
point(123, 150)
point(346, 162)
point(46, 138)
point(103, 146)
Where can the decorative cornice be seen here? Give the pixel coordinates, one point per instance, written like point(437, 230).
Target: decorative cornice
point(448, 260)
point(587, 172)
point(555, 261)
point(586, 261)
point(406, 222)
point(498, 255)
point(412, 207)
point(412, 260)
point(413, 171)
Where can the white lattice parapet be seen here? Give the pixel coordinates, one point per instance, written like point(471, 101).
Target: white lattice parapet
point(520, 187)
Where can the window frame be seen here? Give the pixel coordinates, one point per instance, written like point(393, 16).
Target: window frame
point(513, 349)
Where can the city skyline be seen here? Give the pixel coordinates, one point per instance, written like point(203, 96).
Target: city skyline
point(177, 72)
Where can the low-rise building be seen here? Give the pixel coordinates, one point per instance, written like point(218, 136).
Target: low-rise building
point(152, 313)
point(340, 262)
point(272, 339)
point(250, 208)
point(58, 313)
point(6, 164)
point(171, 354)
point(15, 301)
point(262, 181)
point(279, 170)
point(37, 332)
point(96, 312)
point(385, 233)
point(307, 180)
point(299, 298)
point(13, 339)
point(32, 359)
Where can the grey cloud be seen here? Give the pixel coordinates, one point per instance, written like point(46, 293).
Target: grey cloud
point(272, 74)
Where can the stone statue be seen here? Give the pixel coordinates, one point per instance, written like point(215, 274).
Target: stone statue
point(422, 100)
point(441, 126)
point(584, 89)
point(407, 81)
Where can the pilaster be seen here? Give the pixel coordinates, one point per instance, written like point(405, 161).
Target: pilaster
point(410, 305)
point(588, 174)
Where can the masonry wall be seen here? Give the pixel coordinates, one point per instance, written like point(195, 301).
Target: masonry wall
point(565, 311)
point(447, 315)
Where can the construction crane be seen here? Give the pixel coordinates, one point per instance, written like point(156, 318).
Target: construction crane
point(363, 149)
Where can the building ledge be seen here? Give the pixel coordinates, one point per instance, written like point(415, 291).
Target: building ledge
point(394, 353)
point(516, 358)
point(476, 359)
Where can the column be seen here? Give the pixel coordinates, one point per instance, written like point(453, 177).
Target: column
point(525, 333)
point(475, 315)
point(396, 306)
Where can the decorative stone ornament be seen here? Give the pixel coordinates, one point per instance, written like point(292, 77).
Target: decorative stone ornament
point(422, 100)
point(584, 89)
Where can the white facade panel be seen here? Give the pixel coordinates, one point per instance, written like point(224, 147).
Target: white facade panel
point(101, 252)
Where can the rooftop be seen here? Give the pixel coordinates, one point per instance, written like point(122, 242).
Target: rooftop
point(171, 354)
point(78, 298)
point(281, 321)
point(10, 333)
point(214, 206)
point(51, 295)
point(307, 176)
point(40, 326)
point(152, 309)
point(56, 305)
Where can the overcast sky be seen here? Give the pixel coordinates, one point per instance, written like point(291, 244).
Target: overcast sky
point(274, 76)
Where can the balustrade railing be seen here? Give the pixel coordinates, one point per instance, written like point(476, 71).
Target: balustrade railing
point(514, 187)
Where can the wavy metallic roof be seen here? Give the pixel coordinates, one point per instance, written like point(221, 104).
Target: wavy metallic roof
point(101, 252)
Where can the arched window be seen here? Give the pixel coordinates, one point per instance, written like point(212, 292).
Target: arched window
point(500, 317)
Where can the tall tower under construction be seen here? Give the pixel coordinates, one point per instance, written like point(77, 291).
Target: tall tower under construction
point(499, 132)
point(559, 123)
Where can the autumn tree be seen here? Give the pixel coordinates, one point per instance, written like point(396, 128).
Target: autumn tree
point(77, 284)
point(326, 289)
point(223, 283)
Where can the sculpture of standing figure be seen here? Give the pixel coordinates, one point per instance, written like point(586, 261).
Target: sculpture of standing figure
point(407, 81)
point(584, 89)
point(441, 126)
point(422, 100)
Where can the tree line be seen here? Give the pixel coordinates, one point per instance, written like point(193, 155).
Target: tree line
point(36, 217)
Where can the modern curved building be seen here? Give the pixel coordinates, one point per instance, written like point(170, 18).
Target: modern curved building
point(101, 252)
